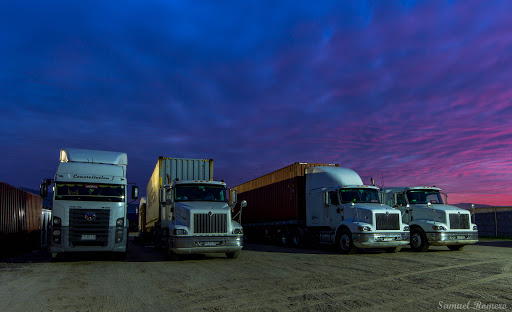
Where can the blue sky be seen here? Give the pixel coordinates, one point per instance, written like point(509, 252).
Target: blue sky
point(407, 92)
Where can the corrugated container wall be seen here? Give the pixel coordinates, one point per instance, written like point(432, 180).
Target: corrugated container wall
point(20, 217)
point(168, 169)
point(277, 196)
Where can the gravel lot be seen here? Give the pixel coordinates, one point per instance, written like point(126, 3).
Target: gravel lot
point(264, 278)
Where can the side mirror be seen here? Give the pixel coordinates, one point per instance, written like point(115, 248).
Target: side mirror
point(472, 209)
point(135, 192)
point(243, 204)
point(162, 196)
point(43, 188)
point(233, 198)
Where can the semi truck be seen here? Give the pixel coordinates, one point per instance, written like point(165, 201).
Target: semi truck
point(187, 212)
point(90, 193)
point(323, 203)
point(432, 221)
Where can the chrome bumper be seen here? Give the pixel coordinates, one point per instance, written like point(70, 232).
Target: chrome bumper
point(205, 244)
point(380, 240)
point(452, 238)
point(65, 245)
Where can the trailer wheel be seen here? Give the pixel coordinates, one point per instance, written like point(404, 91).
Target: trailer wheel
point(419, 240)
point(283, 238)
point(345, 243)
point(297, 238)
point(233, 254)
point(456, 247)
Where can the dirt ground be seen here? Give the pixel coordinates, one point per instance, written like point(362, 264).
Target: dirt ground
point(264, 278)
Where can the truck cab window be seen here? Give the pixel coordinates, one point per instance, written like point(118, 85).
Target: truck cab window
point(333, 198)
point(359, 195)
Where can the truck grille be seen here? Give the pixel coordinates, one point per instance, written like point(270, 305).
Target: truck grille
point(387, 221)
point(214, 223)
point(88, 227)
point(459, 221)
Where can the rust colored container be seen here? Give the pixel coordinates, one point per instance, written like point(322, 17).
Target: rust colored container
point(278, 196)
point(20, 218)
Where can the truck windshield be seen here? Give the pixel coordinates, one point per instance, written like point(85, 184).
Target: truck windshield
point(424, 196)
point(194, 192)
point(359, 195)
point(90, 192)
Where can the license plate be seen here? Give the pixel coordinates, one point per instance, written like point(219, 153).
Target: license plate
point(461, 237)
point(209, 243)
point(387, 239)
point(88, 237)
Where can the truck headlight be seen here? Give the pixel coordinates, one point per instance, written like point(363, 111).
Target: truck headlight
point(364, 228)
point(120, 222)
point(238, 231)
point(406, 229)
point(56, 232)
point(56, 221)
point(438, 228)
point(475, 228)
point(180, 232)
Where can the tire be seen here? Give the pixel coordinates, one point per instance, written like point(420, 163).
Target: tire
point(456, 247)
point(419, 241)
point(171, 254)
point(297, 238)
point(393, 249)
point(55, 257)
point(282, 238)
point(345, 243)
point(120, 256)
point(233, 254)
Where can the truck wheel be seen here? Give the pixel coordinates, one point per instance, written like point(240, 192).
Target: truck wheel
point(345, 243)
point(55, 257)
point(171, 254)
point(297, 238)
point(283, 238)
point(456, 247)
point(233, 254)
point(419, 240)
point(393, 249)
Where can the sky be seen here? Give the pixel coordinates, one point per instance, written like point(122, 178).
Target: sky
point(407, 92)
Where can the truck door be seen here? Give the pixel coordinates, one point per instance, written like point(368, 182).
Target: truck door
point(401, 204)
point(334, 212)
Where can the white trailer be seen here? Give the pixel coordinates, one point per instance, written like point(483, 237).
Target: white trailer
point(431, 221)
point(90, 195)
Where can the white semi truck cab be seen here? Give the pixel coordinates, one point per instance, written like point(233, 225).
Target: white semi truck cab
point(90, 195)
point(198, 219)
point(350, 212)
point(432, 221)
point(187, 212)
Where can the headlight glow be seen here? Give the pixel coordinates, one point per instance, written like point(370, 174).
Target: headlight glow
point(180, 232)
point(56, 221)
point(438, 228)
point(364, 228)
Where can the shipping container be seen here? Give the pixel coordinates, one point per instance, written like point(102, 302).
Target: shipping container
point(20, 219)
point(279, 195)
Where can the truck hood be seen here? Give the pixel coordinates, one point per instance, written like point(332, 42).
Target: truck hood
point(441, 208)
point(375, 207)
point(202, 206)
